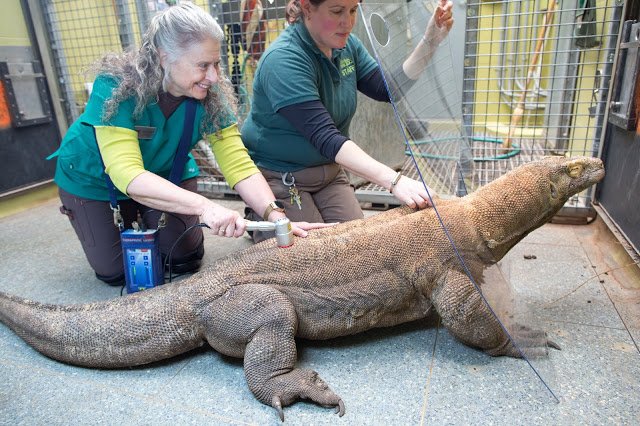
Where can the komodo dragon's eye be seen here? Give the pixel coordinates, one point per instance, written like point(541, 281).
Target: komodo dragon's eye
point(574, 169)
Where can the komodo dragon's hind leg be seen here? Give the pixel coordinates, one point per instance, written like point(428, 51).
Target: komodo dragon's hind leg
point(260, 323)
point(466, 315)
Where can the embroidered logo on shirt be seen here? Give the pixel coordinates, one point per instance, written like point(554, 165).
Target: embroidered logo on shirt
point(347, 67)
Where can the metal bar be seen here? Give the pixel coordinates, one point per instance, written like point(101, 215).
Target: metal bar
point(57, 47)
point(143, 16)
point(602, 112)
point(125, 27)
point(44, 47)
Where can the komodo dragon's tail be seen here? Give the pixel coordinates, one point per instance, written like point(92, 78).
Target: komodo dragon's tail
point(116, 333)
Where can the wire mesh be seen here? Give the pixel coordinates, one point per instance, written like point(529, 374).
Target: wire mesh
point(250, 26)
point(536, 80)
point(428, 109)
point(535, 77)
point(77, 37)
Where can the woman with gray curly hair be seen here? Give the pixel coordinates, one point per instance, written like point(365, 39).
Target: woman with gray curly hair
point(122, 160)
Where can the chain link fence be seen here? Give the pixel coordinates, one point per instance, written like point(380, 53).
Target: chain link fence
point(536, 80)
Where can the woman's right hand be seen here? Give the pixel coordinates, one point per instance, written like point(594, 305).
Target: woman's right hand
point(440, 23)
point(223, 222)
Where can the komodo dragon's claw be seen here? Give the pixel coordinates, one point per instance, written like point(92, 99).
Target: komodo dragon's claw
point(533, 343)
point(304, 384)
point(553, 345)
point(277, 404)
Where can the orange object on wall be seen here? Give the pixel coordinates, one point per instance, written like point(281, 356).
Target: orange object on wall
point(5, 115)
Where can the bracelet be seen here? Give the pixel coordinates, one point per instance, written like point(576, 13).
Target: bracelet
point(395, 181)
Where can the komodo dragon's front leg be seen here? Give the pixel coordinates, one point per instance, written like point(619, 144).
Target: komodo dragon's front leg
point(466, 315)
point(259, 323)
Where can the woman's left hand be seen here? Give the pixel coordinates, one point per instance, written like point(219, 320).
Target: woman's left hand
point(440, 23)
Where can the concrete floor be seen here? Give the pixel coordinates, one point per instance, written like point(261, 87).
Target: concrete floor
point(580, 287)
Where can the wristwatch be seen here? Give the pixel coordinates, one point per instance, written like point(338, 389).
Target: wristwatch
point(273, 206)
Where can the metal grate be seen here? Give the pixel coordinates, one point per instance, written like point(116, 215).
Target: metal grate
point(250, 26)
point(77, 37)
point(536, 80)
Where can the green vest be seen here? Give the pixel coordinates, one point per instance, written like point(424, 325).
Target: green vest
point(79, 168)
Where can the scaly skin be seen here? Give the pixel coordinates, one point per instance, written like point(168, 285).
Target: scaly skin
point(377, 272)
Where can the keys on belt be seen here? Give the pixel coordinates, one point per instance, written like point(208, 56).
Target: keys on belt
point(294, 196)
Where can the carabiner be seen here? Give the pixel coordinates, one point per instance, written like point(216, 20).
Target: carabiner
point(117, 218)
point(284, 179)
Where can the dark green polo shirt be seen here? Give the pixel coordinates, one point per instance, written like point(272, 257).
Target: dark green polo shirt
point(79, 169)
point(292, 71)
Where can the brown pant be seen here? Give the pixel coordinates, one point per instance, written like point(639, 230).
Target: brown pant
point(326, 196)
point(93, 223)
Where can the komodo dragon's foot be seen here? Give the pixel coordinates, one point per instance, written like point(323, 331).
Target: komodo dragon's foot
point(302, 384)
point(530, 343)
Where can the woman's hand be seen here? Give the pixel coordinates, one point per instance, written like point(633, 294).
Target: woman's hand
point(413, 193)
point(223, 222)
point(440, 23)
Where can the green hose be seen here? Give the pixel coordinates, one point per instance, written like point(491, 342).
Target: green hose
point(512, 153)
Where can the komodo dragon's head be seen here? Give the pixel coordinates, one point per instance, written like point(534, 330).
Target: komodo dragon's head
point(515, 204)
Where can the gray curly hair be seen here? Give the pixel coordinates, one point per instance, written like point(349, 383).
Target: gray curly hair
point(140, 74)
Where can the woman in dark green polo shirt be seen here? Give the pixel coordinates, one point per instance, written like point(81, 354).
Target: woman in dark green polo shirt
point(131, 129)
point(304, 97)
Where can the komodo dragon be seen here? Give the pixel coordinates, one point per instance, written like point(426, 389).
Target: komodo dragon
point(377, 272)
